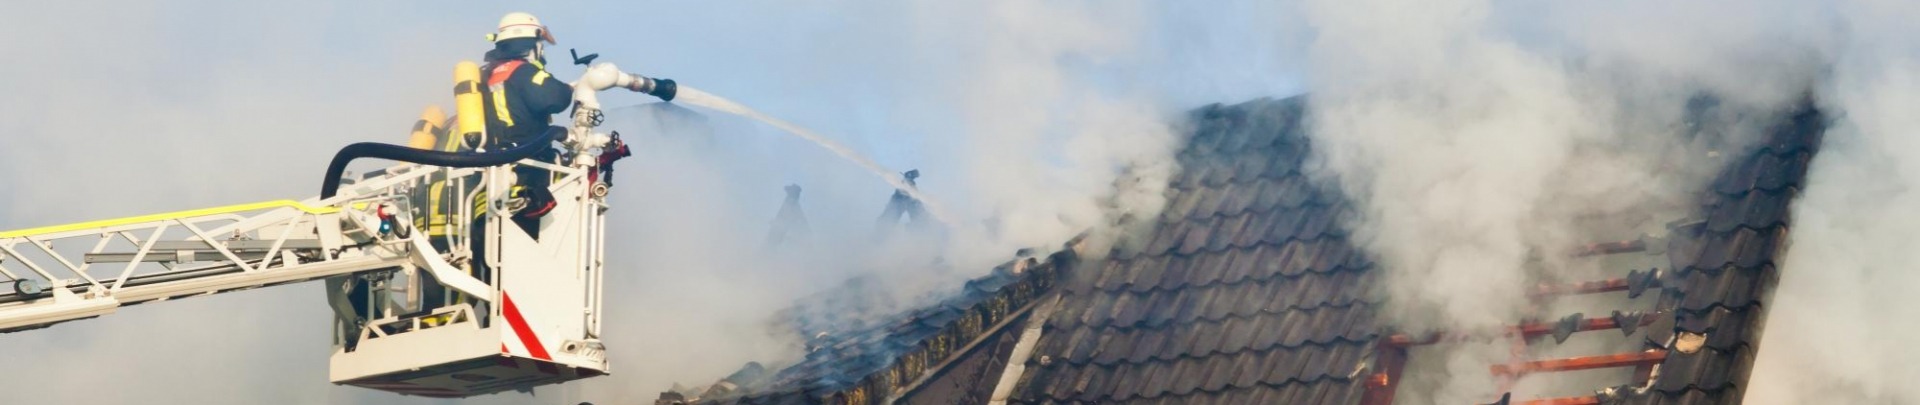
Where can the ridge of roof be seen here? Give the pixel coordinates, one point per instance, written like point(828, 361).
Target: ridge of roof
point(1726, 266)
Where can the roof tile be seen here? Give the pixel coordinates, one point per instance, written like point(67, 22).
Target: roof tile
point(1209, 199)
point(1195, 271)
point(1287, 155)
point(1758, 209)
point(1232, 142)
point(1742, 175)
point(1282, 228)
point(1251, 165)
point(1115, 348)
point(1247, 366)
point(1726, 328)
point(1167, 237)
point(1744, 247)
point(1227, 232)
point(1146, 274)
point(1180, 206)
point(1705, 369)
point(1219, 375)
point(1255, 230)
point(1789, 173)
point(1247, 280)
point(1292, 191)
point(1220, 174)
point(1727, 287)
point(1197, 236)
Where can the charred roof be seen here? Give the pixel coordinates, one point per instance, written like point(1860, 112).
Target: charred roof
point(1247, 290)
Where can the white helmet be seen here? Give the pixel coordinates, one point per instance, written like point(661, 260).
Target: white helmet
point(521, 25)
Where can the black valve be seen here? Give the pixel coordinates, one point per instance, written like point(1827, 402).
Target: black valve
point(577, 60)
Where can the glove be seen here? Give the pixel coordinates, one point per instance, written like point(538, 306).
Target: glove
point(664, 89)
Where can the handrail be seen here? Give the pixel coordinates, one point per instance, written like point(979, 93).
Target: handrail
point(170, 215)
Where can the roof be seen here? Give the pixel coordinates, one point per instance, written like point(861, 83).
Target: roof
point(1726, 266)
point(1247, 292)
point(852, 362)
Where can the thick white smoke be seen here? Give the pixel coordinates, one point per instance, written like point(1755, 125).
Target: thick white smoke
point(1482, 140)
point(1040, 142)
point(1013, 136)
point(1838, 329)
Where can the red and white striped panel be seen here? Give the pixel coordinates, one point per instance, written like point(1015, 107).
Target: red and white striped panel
point(524, 336)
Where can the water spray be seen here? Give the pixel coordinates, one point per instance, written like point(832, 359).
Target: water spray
point(690, 95)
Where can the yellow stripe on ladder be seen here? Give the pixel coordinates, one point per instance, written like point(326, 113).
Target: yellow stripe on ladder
point(170, 215)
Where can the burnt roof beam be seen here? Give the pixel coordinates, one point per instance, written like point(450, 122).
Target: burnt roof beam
point(1529, 330)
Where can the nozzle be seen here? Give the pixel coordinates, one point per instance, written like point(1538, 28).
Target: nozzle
point(664, 89)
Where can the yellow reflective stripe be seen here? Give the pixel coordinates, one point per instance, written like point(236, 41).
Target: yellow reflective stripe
point(536, 63)
point(540, 77)
point(171, 215)
point(500, 107)
point(450, 142)
point(436, 208)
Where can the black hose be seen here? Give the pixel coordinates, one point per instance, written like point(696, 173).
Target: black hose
point(429, 157)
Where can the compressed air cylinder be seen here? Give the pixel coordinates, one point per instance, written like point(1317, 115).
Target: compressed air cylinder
point(467, 106)
point(425, 131)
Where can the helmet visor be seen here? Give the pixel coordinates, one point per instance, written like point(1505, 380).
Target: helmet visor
point(546, 35)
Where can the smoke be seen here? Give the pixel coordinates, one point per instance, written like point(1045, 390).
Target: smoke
point(996, 106)
point(1036, 122)
point(1477, 138)
point(1039, 148)
point(1482, 140)
point(1835, 329)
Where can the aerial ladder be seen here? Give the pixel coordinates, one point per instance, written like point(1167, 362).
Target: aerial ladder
point(427, 302)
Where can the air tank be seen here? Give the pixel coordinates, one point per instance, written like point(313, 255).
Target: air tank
point(427, 131)
point(467, 106)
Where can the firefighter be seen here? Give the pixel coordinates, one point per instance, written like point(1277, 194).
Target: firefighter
point(520, 99)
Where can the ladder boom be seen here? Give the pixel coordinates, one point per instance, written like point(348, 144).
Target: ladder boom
point(440, 285)
point(76, 271)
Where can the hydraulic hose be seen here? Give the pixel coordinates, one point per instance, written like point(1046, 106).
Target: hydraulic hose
point(428, 157)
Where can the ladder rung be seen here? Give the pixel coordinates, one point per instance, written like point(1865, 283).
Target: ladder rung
point(1402, 340)
point(1586, 400)
point(1581, 363)
point(1635, 283)
point(1607, 248)
point(1529, 330)
point(1536, 329)
point(1587, 287)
